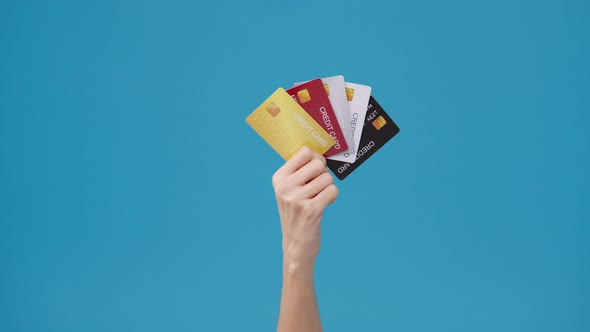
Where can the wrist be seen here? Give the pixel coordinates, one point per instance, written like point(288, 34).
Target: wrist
point(298, 267)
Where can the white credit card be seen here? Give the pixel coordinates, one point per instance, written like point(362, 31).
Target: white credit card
point(335, 88)
point(357, 96)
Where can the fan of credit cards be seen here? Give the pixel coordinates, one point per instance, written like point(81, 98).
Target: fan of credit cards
point(338, 119)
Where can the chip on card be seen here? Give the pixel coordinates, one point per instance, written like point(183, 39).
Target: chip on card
point(304, 96)
point(379, 122)
point(313, 98)
point(273, 109)
point(378, 130)
point(287, 127)
point(349, 94)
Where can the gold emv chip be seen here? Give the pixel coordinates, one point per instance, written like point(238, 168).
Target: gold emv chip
point(327, 88)
point(304, 96)
point(273, 109)
point(349, 94)
point(379, 122)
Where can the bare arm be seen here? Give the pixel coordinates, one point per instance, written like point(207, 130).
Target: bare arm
point(299, 307)
point(303, 187)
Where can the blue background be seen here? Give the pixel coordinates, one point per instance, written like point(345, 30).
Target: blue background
point(134, 197)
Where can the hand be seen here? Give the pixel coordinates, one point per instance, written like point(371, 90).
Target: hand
point(303, 187)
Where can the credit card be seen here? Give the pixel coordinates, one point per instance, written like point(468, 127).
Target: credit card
point(378, 130)
point(358, 98)
point(287, 127)
point(313, 98)
point(335, 88)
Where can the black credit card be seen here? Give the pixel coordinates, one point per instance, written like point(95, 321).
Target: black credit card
point(378, 129)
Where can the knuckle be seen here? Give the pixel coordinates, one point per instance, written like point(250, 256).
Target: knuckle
point(275, 179)
point(289, 199)
point(296, 203)
point(320, 160)
point(318, 165)
point(317, 155)
point(282, 191)
point(334, 191)
point(327, 177)
point(313, 205)
point(306, 151)
point(287, 192)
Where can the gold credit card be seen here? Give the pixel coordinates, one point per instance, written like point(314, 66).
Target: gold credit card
point(287, 127)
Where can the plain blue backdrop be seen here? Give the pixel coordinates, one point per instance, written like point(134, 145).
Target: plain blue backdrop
point(134, 197)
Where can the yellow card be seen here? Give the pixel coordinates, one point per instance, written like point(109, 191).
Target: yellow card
point(286, 127)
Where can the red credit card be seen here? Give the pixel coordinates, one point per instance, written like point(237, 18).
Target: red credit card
point(314, 100)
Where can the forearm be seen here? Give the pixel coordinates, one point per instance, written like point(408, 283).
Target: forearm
point(299, 308)
point(303, 187)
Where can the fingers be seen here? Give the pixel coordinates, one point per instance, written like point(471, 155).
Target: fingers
point(299, 159)
point(310, 171)
point(318, 184)
point(327, 196)
point(300, 162)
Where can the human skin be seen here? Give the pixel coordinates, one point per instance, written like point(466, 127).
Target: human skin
point(303, 188)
